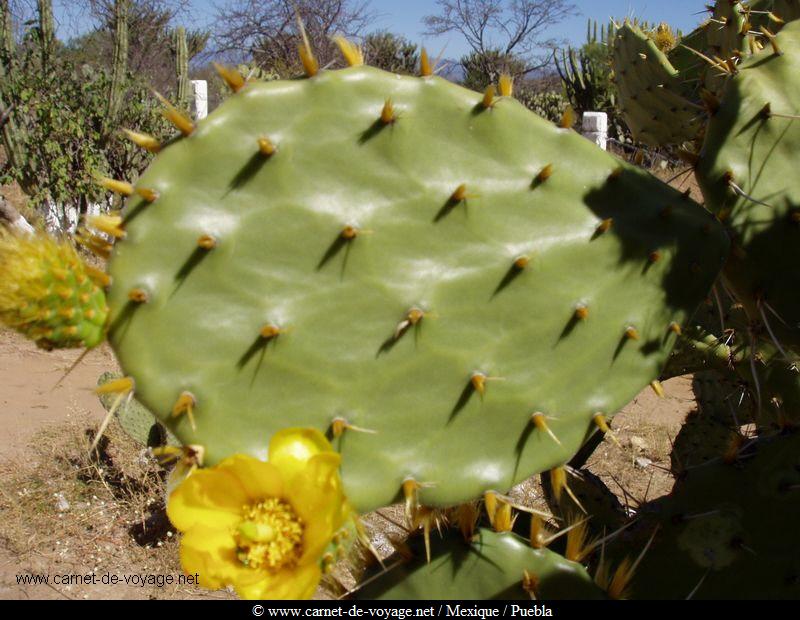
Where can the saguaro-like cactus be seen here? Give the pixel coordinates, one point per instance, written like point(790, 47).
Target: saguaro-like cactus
point(120, 66)
point(182, 68)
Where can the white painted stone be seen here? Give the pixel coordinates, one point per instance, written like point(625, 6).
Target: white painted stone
point(200, 92)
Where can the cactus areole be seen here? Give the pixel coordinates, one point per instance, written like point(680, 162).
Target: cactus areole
point(410, 281)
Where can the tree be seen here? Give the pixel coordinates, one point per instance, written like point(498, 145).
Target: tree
point(267, 30)
point(390, 52)
point(503, 29)
point(483, 68)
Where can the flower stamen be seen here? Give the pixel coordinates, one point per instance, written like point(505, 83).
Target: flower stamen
point(270, 535)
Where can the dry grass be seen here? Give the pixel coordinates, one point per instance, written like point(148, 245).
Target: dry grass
point(64, 511)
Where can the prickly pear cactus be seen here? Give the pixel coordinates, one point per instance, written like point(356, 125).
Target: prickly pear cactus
point(406, 264)
point(656, 99)
point(747, 170)
point(728, 530)
point(136, 421)
point(493, 565)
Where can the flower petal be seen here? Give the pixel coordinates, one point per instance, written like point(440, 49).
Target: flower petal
point(210, 553)
point(291, 448)
point(296, 583)
point(210, 497)
point(260, 480)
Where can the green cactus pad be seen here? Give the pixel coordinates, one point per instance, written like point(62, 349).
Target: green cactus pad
point(657, 101)
point(491, 567)
point(726, 531)
point(135, 419)
point(748, 174)
point(345, 348)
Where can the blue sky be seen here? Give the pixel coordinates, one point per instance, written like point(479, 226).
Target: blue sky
point(405, 17)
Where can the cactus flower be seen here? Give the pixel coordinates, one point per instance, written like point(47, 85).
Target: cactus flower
point(262, 527)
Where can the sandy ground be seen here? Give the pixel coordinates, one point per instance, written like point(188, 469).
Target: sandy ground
point(45, 427)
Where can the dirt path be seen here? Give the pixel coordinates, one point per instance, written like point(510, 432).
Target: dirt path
point(29, 400)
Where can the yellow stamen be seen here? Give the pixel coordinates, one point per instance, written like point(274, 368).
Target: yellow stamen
point(143, 140)
point(270, 535)
point(230, 76)
point(352, 53)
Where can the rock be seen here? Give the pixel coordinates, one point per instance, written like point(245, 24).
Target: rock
point(62, 505)
point(642, 462)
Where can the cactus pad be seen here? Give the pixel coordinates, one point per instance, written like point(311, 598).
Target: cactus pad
point(748, 174)
point(656, 99)
point(418, 276)
point(491, 566)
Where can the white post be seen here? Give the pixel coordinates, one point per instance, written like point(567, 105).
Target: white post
point(200, 92)
point(595, 128)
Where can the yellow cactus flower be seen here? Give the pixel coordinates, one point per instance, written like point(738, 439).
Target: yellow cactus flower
point(262, 527)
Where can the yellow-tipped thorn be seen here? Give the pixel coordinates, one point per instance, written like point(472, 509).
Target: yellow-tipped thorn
point(411, 497)
point(540, 422)
point(339, 425)
point(581, 312)
point(503, 518)
point(544, 174)
point(100, 278)
point(123, 385)
point(530, 583)
point(616, 173)
point(604, 226)
point(478, 382)
point(181, 122)
point(426, 68)
point(558, 482)
point(206, 242)
point(488, 96)
point(123, 188)
point(185, 405)
point(349, 233)
point(148, 195)
point(773, 40)
point(631, 333)
point(352, 53)
point(266, 147)
point(655, 384)
point(654, 256)
point(138, 296)
point(521, 262)
point(387, 113)
point(108, 224)
point(675, 328)
point(600, 420)
point(230, 76)
point(94, 244)
point(567, 119)
point(460, 194)
point(310, 63)
point(143, 140)
point(490, 503)
point(413, 317)
point(506, 85)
